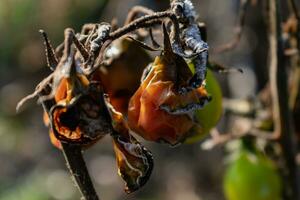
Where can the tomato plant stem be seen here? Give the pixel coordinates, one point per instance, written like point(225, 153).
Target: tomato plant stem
point(281, 111)
point(77, 167)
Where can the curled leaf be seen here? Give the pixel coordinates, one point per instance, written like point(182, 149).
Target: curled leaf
point(134, 161)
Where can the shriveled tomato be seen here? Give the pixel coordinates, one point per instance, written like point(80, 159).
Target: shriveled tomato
point(121, 78)
point(157, 111)
point(78, 114)
point(252, 176)
point(83, 119)
point(77, 118)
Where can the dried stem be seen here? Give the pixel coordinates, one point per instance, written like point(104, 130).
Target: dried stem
point(79, 172)
point(295, 9)
point(297, 15)
point(143, 22)
point(244, 4)
point(281, 111)
point(218, 139)
point(295, 62)
point(135, 11)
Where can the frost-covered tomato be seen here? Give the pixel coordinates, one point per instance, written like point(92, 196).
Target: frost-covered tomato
point(157, 111)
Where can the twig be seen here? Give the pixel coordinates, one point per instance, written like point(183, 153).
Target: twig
point(297, 15)
point(295, 90)
point(218, 139)
point(135, 11)
point(295, 9)
point(140, 23)
point(244, 4)
point(281, 112)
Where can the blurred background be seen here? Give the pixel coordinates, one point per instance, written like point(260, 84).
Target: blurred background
point(31, 168)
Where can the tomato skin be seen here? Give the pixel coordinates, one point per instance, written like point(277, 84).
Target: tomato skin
point(252, 176)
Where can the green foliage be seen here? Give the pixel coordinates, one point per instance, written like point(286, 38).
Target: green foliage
point(26, 191)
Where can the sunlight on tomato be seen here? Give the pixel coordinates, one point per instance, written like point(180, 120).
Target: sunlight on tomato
point(210, 114)
point(252, 176)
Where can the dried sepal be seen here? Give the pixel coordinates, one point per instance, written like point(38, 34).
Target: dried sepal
point(50, 53)
point(80, 47)
point(66, 69)
point(143, 44)
point(195, 46)
point(194, 42)
point(154, 42)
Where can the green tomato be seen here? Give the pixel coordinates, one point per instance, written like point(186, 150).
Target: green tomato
point(210, 114)
point(252, 176)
